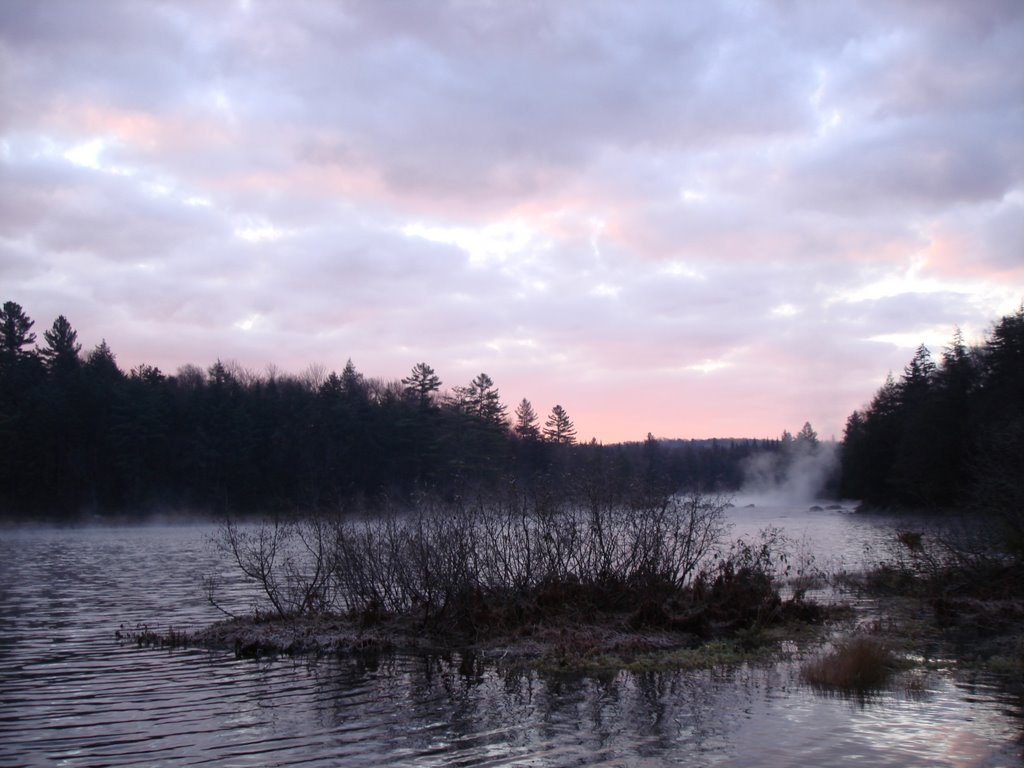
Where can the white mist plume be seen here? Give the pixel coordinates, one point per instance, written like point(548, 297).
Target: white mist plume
point(797, 476)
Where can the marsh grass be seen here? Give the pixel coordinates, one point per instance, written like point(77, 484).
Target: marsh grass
point(144, 637)
point(717, 653)
point(856, 665)
point(951, 593)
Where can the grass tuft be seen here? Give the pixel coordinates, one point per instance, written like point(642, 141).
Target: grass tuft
point(857, 665)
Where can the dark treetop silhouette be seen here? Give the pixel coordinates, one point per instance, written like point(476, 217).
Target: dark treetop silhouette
point(77, 434)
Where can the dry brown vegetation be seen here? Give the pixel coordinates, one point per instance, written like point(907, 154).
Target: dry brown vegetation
point(858, 664)
point(954, 591)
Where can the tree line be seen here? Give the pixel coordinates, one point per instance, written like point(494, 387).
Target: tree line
point(79, 434)
point(945, 433)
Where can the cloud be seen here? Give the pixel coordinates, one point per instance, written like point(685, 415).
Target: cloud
point(717, 219)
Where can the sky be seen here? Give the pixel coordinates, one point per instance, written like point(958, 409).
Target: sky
point(691, 219)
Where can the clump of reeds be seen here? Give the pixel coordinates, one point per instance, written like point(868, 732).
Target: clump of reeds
point(145, 637)
point(856, 665)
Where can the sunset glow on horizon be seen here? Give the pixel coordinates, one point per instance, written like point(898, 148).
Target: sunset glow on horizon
point(691, 220)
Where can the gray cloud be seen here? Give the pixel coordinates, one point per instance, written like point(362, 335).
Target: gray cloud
point(704, 202)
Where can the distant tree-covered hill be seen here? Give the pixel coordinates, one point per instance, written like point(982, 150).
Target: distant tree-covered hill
point(79, 434)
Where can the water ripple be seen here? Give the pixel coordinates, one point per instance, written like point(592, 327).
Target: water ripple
point(71, 694)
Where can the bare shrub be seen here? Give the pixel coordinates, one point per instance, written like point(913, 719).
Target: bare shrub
point(291, 561)
point(740, 587)
point(953, 555)
point(512, 535)
point(457, 561)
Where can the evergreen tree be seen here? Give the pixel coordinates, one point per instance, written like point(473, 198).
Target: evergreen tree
point(956, 358)
point(653, 471)
point(525, 426)
point(807, 438)
point(931, 439)
point(418, 439)
point(881, 435)
point(1004, 351)
point(482, 401)
point(62, 347)
point(918, 376)
point(956, 382)
point(1003, 364)
point(559, 428)
point(786, 441)
point(421, 385)
point(15, 332)
point(332, 387)
point(353, 385)
point(150, 374)
point(102, 363)
point(219, 375)
point(19, 365)
point(20, 368)
point(998, 411)
point(854, 478)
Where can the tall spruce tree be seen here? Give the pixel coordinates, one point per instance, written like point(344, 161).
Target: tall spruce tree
point(15, 333)
point(526, 426)
point(61, 353)
point(559, 427)
point(421, 385)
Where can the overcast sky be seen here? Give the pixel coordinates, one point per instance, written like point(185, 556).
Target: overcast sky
point(692, 219)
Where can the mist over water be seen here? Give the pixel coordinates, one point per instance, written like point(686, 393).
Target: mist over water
point(795, 478)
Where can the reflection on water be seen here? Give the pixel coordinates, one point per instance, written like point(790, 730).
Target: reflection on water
point(70, 694)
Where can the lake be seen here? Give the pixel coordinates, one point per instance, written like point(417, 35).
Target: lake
point(71, 694)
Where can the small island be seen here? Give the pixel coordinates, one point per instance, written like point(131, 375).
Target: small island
point(617, 584)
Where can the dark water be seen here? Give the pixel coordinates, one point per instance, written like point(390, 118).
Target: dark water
point(71, 694)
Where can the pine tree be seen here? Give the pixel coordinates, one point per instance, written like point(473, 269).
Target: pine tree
point(525, 426)
point(918, 377)
point(1004, 357)
point(421, 384)
point(482, 400)
point(62, 347)
point(15, 333)
point(807, 437)
point(352, 382)
point(559, 428)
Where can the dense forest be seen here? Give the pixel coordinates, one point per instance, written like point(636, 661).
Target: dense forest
point(78, 434)
point(945, 433)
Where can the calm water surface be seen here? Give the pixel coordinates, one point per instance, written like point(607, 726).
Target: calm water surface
point(71, 694)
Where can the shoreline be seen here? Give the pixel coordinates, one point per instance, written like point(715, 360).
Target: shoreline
point(962, 635)
point(605, 643)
